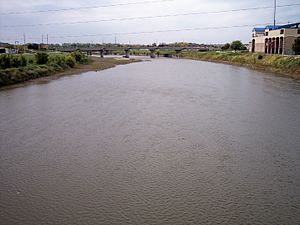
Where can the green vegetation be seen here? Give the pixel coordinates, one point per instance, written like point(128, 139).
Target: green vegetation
point(226, 47)
point(19, 68)
point(289, 65)
point(41, 57)
point(8, 61)
point(70, 61)
point(237, 45)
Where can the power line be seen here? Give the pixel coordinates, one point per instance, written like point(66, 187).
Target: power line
point(155, 31)
point(86, 7)
point(162, 31)
point(150, 17)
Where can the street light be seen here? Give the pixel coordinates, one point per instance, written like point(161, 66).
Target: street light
point(275, 6)
point(16, 42)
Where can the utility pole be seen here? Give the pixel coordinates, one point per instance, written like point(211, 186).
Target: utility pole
point(24, 36)
point(275, 6)
point(42, 38)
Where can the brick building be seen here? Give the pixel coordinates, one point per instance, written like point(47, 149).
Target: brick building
point(275, 40)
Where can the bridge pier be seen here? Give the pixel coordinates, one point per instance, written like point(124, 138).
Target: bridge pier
point(152, 53)
point(178, 51)
point(101, 53)
point(126, 53)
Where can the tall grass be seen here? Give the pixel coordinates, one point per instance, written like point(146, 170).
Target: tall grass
point(277, 63)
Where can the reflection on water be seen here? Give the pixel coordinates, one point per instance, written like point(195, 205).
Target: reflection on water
point(160, 142)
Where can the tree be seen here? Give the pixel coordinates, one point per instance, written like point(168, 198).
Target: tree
point(33, 46)
point(70, 61)
point(41, 57)
point(237, 45)
point(225, 47)
point(296, 46)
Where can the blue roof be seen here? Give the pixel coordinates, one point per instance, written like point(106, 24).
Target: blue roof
point(271, 27)
point(259, 29)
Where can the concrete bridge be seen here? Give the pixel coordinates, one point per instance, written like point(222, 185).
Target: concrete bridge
point(109, 50)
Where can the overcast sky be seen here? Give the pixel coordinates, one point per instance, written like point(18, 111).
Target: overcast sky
point(57, 33)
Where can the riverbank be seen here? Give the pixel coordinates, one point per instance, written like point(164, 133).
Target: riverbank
point(43, 73)
point(285, 65)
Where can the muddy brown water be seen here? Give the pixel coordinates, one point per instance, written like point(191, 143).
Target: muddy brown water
point(161, 142)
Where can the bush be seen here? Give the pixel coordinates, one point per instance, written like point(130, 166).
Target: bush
point(77, 56)
point(15, 75)
point(225, 47)
point(41, 57)
point(260, 57)
point(58, 60)
point(9, 61)
point(5, 61)
point(237, 45)
point(70, 61)
point(23, 60)
point(42, 71)
point(4, 78)
point(17, 61)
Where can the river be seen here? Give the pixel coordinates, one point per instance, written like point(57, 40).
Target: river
point(165, 141)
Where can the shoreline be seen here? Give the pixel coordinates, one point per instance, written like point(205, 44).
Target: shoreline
point(96, 64)
point(293, 73)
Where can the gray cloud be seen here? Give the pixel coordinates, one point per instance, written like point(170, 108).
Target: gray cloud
point(34, 34)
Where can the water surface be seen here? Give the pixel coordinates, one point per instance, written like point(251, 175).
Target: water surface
point(161, 142)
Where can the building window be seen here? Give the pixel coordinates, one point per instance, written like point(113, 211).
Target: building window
point(282, 31)
point(267, 33)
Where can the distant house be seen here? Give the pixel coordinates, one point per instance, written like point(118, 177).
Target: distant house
point(2, 50)
point(275, 40)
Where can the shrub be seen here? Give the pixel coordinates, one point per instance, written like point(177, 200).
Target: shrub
point(4, 78)
point(42, 71)
point(260, 57)
point(23, 60)
point(15, 75)
point(225, 47)
point(32, 74)
point(8, 61)
point(70, 61)
point(5, 61)
point(17, 61)
point(59, 60)
point(237, 45)
point(77, 56)
point(41, 57)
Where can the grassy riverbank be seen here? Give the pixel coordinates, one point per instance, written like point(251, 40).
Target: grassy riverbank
point(56, 66)
point(285, 65)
